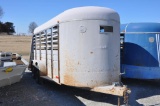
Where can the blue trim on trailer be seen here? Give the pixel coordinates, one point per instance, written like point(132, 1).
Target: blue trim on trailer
point(140, 72)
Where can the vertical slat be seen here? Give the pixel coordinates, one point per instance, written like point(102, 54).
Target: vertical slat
point(58, 53)
point(40, 45)
point(52, 52)
point(46, 52)
point(35, 47)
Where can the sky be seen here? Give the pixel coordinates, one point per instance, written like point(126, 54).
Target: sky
point(23, 12)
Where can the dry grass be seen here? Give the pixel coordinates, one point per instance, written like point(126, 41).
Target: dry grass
point(16, 44)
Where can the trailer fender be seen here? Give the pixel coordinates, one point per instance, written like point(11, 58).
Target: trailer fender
point(40, 65)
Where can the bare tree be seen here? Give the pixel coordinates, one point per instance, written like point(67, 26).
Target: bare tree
point(1, 12)
point(32, 26)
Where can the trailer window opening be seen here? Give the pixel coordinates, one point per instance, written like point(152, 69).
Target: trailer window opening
point(104, 29)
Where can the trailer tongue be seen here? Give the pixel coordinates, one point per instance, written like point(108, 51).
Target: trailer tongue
point(120, 91)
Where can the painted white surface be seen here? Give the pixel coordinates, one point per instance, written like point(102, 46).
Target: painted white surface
point(81, 13)
point(88, 58)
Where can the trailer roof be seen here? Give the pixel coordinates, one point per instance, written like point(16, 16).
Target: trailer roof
point(81, 13)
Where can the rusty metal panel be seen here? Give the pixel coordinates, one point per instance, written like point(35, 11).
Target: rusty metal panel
point(88, 48)
point(89, 58)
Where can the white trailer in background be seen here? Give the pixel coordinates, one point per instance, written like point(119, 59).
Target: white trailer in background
point(80, 48)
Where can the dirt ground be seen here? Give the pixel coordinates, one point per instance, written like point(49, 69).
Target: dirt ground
point(27, 92)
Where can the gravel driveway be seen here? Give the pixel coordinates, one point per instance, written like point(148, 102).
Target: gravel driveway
point(27, 92)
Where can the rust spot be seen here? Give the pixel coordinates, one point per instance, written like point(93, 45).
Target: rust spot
point(69, 64)
point(69, 80)
point(70, 68)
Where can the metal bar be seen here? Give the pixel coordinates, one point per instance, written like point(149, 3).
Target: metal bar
point(54, 46)
point(58, 53)
point(40, 46)
point(35, 48)
point(46, 52)
point(54, 41)
point(52, 52)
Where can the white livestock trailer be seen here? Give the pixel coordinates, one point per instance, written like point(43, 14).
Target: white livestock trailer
point(80, 48)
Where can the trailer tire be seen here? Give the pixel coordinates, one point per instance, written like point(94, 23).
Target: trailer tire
point(32, 69)
point(37, 77)
point(33, 72)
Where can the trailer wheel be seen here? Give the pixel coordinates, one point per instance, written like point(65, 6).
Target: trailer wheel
point(37, 77)
point(32, 69)
point(33, 72)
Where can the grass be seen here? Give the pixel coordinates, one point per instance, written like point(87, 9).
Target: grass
point(16, 44)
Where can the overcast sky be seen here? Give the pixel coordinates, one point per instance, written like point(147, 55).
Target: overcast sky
point(22, 12)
